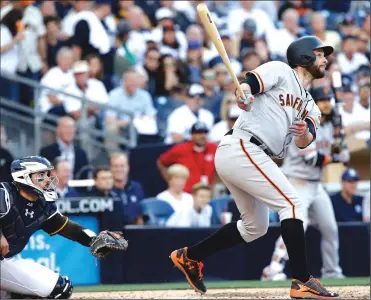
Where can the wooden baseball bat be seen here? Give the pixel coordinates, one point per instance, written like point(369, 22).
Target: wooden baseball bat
point(214, 35)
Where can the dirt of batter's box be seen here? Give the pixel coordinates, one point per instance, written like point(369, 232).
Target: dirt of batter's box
point(346, 292)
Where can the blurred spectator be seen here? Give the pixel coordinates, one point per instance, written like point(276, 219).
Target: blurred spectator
point(250, 60)
point(63, 7)
point(228, 100)
point(197, 155)
point(11, 34)
point(47, 8)
point(68, 22)
point(90, 88)
point(63, 170)
point(328, 37)
point(90, 35)
point(122, 11)
point(177, 176)
point(363, 74)
point(131, 98)
point(269, 7)
point(164, 17)
point(103, 183)
point(151, 66)
point(356, 115)
point(54, 39)
point(221, 72)
point(6, 157)
point(199, 215)
point(237, 16)
point(245, 40)
point(222, 127)
point(66, 149)
point(302, 7)
point(366, 208)
point(212, 99)
point(182, 119)
point(279, 40)
point(95, 66)
point(169, 76)
point(347, 205)
point(261, 48)
point(32, 59)
point(170, 43)
point(365, 34)
point(58, 78)
point(184, 12)
point(194, 61)
point(348, 26)
point(128, 190)
point(139, 22)
point(131, 47)
point(350, 60)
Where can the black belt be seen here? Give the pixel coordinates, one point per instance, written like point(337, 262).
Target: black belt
point(253, 140)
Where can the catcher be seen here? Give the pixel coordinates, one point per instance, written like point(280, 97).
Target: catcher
point(27, 205)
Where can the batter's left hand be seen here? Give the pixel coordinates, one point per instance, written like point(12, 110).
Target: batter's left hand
point(299, 128)
point(245, 104)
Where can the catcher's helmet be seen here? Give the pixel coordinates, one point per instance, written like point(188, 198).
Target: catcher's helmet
point(22, 169)
point(300, 52)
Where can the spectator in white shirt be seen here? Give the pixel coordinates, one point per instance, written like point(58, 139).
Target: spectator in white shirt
point(356, 116)
point(180, 121)
point(366, 208)
point(32, 59)
point(10, 37)
point(90, 88)
point(164, 17)
point(58, 78)
point(239, 15)
point(177, 176)
point(222, 127)
point(350, 60)
point(68, 22)
point(199, 215)
point(279, 40)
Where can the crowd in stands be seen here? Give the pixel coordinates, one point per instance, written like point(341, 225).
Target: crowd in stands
point(153, 60)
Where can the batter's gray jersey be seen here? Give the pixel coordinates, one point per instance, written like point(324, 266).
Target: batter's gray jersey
point(300, 163)
point(281, 100)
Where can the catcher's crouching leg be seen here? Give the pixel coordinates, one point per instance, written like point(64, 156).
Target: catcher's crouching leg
point(63, 289)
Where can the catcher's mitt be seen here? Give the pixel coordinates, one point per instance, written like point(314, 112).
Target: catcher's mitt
point(106, 242)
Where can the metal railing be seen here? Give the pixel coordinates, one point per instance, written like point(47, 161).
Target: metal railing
point(86, 135)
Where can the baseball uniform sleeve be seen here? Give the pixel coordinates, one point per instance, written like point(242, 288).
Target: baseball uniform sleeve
point(270, 74)
point(314, 117)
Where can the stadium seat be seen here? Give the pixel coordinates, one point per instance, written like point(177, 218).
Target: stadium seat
point(219, 205)
point(157, 210)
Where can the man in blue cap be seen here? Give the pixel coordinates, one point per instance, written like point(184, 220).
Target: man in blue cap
point(347, 205)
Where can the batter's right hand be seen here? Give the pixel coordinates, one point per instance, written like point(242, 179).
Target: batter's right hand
point(245, 104)
point(4, 246)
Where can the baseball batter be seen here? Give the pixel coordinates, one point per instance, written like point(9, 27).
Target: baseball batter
point(304, 168)
point(27, 205)
point(278, 110)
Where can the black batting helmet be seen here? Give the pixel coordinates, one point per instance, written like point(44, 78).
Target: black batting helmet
point(300, 52)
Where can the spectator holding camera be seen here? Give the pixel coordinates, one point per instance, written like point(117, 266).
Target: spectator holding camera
point(199, 214)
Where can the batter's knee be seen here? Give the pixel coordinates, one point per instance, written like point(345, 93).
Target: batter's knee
point(251, 231)
point(63, 289)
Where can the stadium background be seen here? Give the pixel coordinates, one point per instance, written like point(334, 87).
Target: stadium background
point(28, 126)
